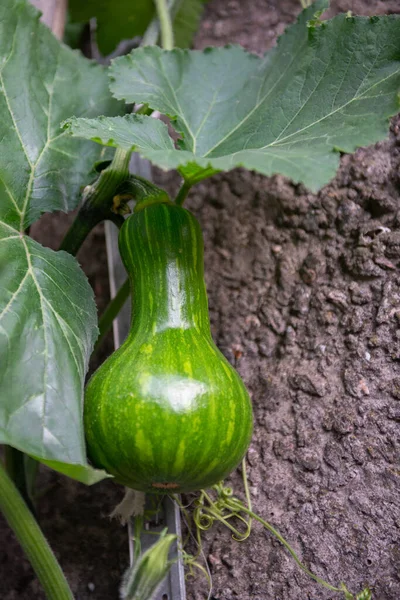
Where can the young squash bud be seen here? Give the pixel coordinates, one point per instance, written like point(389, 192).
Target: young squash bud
point(142, 581)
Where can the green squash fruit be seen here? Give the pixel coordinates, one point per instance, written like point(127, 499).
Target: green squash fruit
point(166, 411)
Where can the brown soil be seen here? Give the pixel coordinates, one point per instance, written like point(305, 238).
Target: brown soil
point(305, 289)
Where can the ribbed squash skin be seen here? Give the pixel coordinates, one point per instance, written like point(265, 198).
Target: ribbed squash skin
point(166, 411)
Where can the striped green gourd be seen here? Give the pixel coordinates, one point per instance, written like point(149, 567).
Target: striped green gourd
point(166, 411)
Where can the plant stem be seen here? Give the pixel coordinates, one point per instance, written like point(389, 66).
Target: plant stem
point(15, 468)
point(246, 489)
point(143, 191)
point(97, 205)
point(167, 33)
point(138, 522)
point(32, 540)
point(152, 33)
point(111, 312)
point(183, 192)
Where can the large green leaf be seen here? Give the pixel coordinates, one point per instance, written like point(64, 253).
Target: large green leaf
point(116, 20)
point(47, 311)
point(43, 82)
point(47, 331)
point(328, 87)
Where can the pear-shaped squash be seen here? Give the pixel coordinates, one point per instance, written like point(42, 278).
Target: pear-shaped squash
point(166, 411)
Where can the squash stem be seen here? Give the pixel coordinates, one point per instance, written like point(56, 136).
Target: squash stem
point(97, 204)
point(167, 33)
point(183, 192)
point(32, 540)
point(15, 468)
point(111, 312)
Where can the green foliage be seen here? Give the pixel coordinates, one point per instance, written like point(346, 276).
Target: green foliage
point(142, 581)
point(47, 311)
point(120, 132)
point(116, 21)
point(124, 19)
point(186, 21)
point(323, 90)
point(364, 595)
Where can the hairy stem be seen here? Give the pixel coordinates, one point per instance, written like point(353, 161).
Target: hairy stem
point(111, 312)
point(97, 205)
point(32, 540)
point(167, 34)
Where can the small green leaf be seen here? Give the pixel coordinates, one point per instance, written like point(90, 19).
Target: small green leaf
point(323, 90)
point(141, 582)
point(364, 595)
point(116, 21)
point(118, 132)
